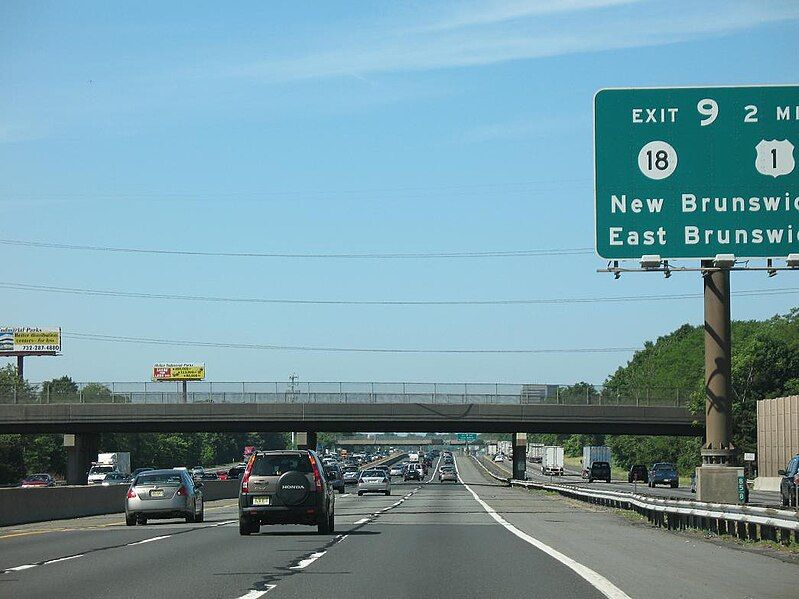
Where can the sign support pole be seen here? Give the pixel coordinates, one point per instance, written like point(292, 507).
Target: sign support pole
point(718, 480)
point(21, 369)
point(718, 448)
point(185, 392)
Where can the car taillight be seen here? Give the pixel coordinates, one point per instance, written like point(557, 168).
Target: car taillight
point(245, 478)
point(316, 476)
point(182, 491)
point(131, 494)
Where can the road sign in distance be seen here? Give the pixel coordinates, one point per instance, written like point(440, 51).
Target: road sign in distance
point(697, 172)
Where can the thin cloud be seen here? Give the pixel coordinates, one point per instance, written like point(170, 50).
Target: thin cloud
point(492, 13)
point(403, 50)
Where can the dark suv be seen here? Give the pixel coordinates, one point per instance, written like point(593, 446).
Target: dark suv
point(599, 471)
point(285, 487)
point(789, 481)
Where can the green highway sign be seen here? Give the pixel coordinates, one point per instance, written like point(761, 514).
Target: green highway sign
point(696, 172)
point(467, 437)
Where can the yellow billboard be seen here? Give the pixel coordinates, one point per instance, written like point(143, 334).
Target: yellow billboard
point(178, 372)
point(16, 340)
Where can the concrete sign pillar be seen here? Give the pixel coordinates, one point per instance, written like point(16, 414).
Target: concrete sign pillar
point(82, 450)
point(306, 440)
point(519, 456)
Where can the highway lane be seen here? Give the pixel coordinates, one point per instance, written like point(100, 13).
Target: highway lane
point(764, 498)
point(630, 552)
point(425, 540)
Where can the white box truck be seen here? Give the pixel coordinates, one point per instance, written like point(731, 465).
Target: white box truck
point(594, 453)
point(552, 460)
point(108, 462)
point(491, 449)
point(535, 452)
point(413, 457)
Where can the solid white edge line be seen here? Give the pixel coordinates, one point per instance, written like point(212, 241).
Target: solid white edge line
point(308, 560)
point(148, 540)
point(362, 521)
point(61, 559)
point(254, 594)
point(18, 568)
point(596, 580)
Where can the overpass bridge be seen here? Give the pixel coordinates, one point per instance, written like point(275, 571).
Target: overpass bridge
point(335, 407)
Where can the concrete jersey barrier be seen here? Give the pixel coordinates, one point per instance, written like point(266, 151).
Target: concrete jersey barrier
point(21, 506)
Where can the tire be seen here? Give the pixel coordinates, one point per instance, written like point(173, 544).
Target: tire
point(201, 516)
point(674, 485)
point(332, 528)
point(130, 520)
point(323, 526)
point(244, 527)
point(141, 520)
point(360, 493)
point(191, 518)
point(388, 493)
point(590, 480)
point(341, 491)
point(784, 500)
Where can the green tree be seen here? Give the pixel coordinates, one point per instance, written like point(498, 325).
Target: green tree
point(60, 390)
point(12, 460)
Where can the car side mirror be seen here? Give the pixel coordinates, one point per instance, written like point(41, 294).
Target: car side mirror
point(198, 485)
point(781, 472)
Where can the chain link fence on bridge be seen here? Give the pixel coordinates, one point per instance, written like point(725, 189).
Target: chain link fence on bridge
point(339, 392)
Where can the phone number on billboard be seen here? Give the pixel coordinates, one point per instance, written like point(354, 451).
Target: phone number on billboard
point(39, 348)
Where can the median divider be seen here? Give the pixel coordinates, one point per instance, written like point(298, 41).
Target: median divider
point(22, 506)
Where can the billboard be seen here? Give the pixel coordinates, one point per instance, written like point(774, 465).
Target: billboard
point(178, 372)
point(21, 340)
point(694, 172)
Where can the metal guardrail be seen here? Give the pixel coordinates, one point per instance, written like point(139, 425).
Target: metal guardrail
point(338, 392)
point(741, 521)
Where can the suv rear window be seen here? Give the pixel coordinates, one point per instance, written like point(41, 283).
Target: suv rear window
point(275, 465)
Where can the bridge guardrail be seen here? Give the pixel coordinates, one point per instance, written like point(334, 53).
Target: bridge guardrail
point(337, 392)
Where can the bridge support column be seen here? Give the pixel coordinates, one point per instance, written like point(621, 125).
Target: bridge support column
point(519, 456)
point(81, 452)
point(306, 440)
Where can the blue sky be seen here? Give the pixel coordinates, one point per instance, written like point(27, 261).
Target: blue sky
point(334, 128)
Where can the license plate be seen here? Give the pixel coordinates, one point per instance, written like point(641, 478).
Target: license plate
point(157, 493)
point(666, 480)
point(260, 500)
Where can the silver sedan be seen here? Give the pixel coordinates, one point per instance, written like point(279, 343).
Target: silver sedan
point(374, 481)
point(164, 494)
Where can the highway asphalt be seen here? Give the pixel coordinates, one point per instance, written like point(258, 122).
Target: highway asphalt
point(476, 539)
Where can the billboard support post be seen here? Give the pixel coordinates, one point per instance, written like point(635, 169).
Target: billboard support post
point(185, 392)
point(21, 368)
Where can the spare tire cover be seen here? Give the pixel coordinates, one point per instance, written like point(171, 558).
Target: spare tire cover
point(293, 487)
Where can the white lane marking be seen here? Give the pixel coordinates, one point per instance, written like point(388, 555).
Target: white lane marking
point(596, 580)
point(254, 594)
point(148, 540)
point(18, 568)
point(222, 524)
point(308, 560)
point(344, 495)
point(62, 559)
point(362, 521)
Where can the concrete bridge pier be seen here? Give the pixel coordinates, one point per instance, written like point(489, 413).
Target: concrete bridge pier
point(82, 450)
point(519, 455)
point(306, 440)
